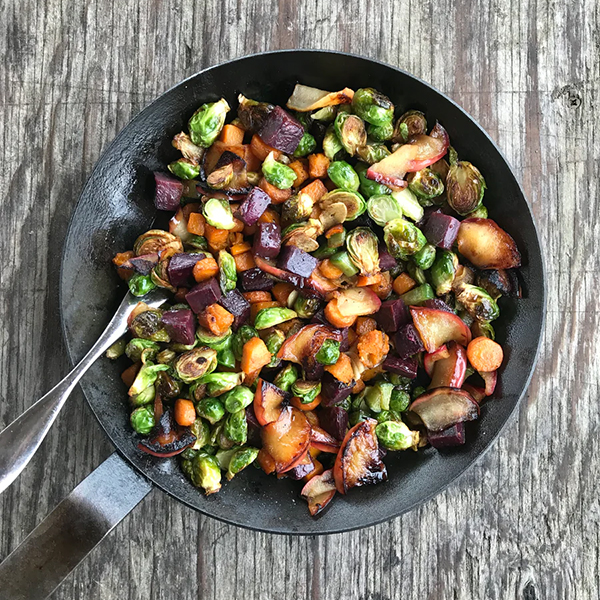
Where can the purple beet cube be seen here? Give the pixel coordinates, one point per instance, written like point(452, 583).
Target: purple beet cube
point(145, 263)
point(441, 230)
point(447, 438)
point(437, 304)
point(292, 259)
point(334, 420)
point(334, 391)
point(408, 341)
point(181, 268)
point(168, 192)
point(407, 367)
point(203, 294)
point(253, 207)
point(267, 240)
point(281, 130)
point(392, 314)
point(386, 260)
point(255, 280)
point(238, 306)
point(180, 325)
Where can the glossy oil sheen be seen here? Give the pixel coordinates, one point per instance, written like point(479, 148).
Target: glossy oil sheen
point(116, 206)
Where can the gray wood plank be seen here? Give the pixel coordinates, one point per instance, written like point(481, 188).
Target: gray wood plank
point(524, 523)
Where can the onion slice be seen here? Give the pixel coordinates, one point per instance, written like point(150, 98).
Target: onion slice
point(305, 98)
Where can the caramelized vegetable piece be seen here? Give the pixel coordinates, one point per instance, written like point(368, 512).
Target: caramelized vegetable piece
point(443, 407)
point(357, 302)
point(269, 401)
point(484, 354)
point(255, 355)
point(373, 348)
point(342, 370)
point(319, 492)
point(167, 438)
point(216, 319)
point(451, 370)
point(436, 327)
point(358, 462)
point(305, 98)
point(487, 246)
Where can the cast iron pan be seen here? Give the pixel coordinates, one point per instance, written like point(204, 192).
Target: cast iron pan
point(116, 206)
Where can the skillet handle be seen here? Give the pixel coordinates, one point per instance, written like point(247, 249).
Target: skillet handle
point(69, 533)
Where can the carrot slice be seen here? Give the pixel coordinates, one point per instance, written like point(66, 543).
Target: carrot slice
point(365, 280)
point(240, 248)
point(333, 315)
point(484, 354)
point(255, 355)
point(342, 370)
point(305, 407)
point(329, 270)
point(185, 413)
point(205, 269)
point(217, 238)
point(403, 283)
point(277, 196)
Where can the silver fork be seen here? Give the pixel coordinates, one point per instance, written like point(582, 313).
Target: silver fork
point(21, 439)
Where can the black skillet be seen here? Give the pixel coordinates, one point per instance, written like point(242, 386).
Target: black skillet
point(116, 206)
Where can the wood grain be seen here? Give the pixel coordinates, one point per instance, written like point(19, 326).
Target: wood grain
point(525, 522)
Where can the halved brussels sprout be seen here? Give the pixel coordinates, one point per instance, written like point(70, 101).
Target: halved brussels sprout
point(184, 144)
point(227, 272)
point(403, 238)
point(306, 307)
point(383, 209)
point(184, 169)
point(373, 106)
point(145, 378)
point(478, 303)
point(236, 427)
point(269, 317)
point(211, 409)
point(138, 347)
point(278, 174)
point(139, 285)
point(201, 430)
point(296, 209)
point(354, 202)
point(332, 147)
point(378, 396)
point(372, 153)
point(329, 352)
point(148, 325)
point(117, 349)
point(306, 145)
point(240, 460)
point(443, 271)
point(286, 377)
point(411, 123)
point(350, 130)
point(481, 212)
point(253, 114)
point(465, 187)
point(381, 133)
point(362, 245)
point(217, 342)
point(146, 396)
point(368, 187)
point(343, 175)
point(207, 122)
point(325, 114)
point(307, 391)
point(273, 342)
point(217, 213)
point(219, 383)
point(205, 472)
point(425, 257)
point(395, 435)
point(221, 177)
point(399, 400)
point(409, 204)
point(426, 184)
point(194, 364)
point(156, 241)
point(142, 420)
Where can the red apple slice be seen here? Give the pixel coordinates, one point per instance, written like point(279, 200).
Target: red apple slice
point(450, 371)
point(486, 245)
point(358, 302)
point(306, 343)
point(431, 358)
point(319, 491)
point(287, 439)
point(269, 401)
point(322, 441)
point(358, 462)
point(436, 327)
point(443, 407)
point(491, 379)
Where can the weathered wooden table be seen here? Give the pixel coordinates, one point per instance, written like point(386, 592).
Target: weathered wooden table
point(524, 523)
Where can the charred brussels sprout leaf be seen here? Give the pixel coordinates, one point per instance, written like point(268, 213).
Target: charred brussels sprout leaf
point(140, 285)
point(184, 169)
point(368, 187)
point(184, 144)
point(253, 114)
point(307, 391)
point(240, 459)
point(409, 204)
point(372, 153)
point(217, 342)
point(156, 240)
point(329, 352)
point(142, 420)
point(481, 212)
point(217, 213)
point(227, 272)
point(403, 238)
point(278, 174)
point(465, 187)
point(117, 349)
point(168, 387)
point(146, 377)
point(296, 209)
point(343, 175)
point(332, 147)
point(306, 145)
point(378, 396)
point(201, 430)
point(286, 377)
point(325, 114)
point(269, 317)
point(411, 123)
point(219, 383)
point(372, 106)
point(236, 427)
point(196, 363)
point(426, 184)
point(362, 245)
point(443, 272)
point(351, 132)
point(478, 303)
point(395, 435)
point(211, 409)
point(355, 204)
point(144, 397)
point(273, 342)
point(381, 133)
point(206, 473)
point(306, 308)
point(244, 334)
point(148, 325)
point(238, 398)
point(207, 122)
point(383, 209)
point(425, 257)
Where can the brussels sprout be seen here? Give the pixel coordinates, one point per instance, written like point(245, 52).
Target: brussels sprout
point(207, 122)
point(238, 398)
point(481, 212)
point(269, 317)
point(146, 377)
point(443, 271)
point(465, 187)
point(358, 416)
point(184, 144)
point(325, 114)
point(409, 204)
point(329, 352)
point(278, 174)
point(416, 273)
point(403, 238)
point(342, 261)
point(355, 204)
point(481, 328)
point(224, 457)
point(144, 397)
point(176, 347)
point(378, 396)
point(216, 342)
point(201, 430)
point(184, 169)
point(219, 383)
point(343, 175)
point(402, 383)
point(253, 177)
point(350, 130)
point(227, 272)
point(205, 472)
point(395, 435)
point(286, 377)
point(418, 391)
point(411, 123)
point(142, 420)
point(236, 427)
point(140, 285)
point(381, 133)
point(221, 177)
point(156, 240)
point(253, 114)
point(383, 209)
point(273, 342)
point(296, 209)
point(137, 346)
point(167, 386)
point(117, 349)
point(362, 245)
point(244, 334)
point(372, 106)
point(426, 184)
point(372, 153)
point(399, 400)
point(418, 296)
point(306, 145)
point(478, 303)
point(240, 460)
point(425, 257)
point(148, 325)
point(166, 356)
point(225, 357)
point(211, 409)
point(307, 391)
point(192, 365)
point(368, 187)
point(217, 213)
point(306, 307)
point(332, 147)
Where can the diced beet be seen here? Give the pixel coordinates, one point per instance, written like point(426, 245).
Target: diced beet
point(255, 280)
point(345, 341)
point(282, 131)
point(297, 261)
point(319, 317)
point(238, 306)
point(408, 341)
point(253, 207)
point(145, 263)
point(313, 370)
point(407, 367)
point(334, 420)
point(453, 436)
point(253, 426)
point(181, 267)
point(386, 260)
point(441, 230)
point(437, 304)
point(203, 294)
point(334, 391)
point(392, 315)
point(267, 240)
point(168, 192)
point(180, 325)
